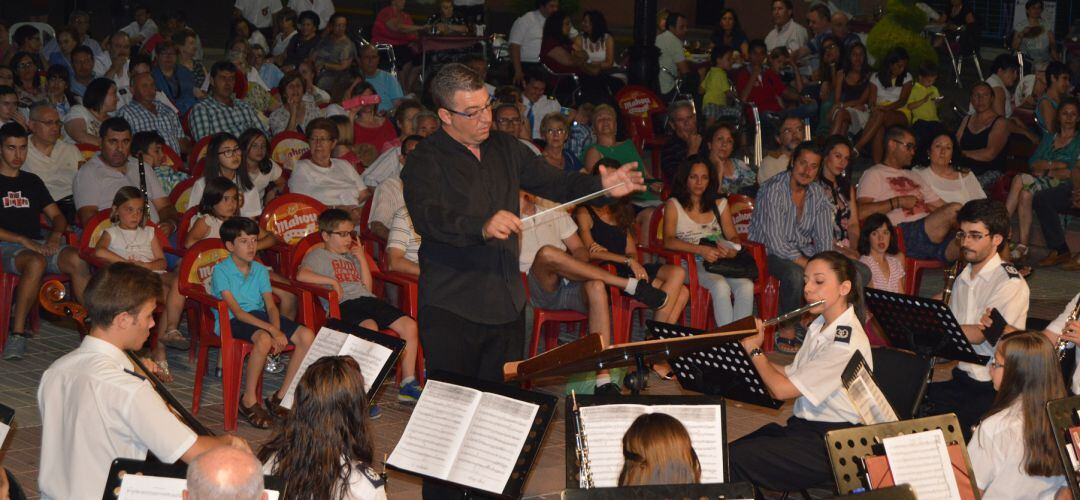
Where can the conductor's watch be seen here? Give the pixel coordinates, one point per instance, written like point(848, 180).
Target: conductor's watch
point(755, 352)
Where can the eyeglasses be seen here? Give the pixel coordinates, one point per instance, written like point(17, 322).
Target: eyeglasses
point(229, 153)
point(556, 131)
point(472, 115)
point(973, 236)
point(910, 146)
point(995, 365)
point(26, 65)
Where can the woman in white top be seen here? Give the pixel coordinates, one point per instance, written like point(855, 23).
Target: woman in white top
point(1033, 38)
point(1013, 453)
point(595, 41)
point(951, 184)
point(295, 112)
point(793, 457)
point(264, 171)
point(224, 158)
point(331, 181)
point(82, 122)
point(697, 220)
point(889, 91)
point(879, 251)
point(329, 413)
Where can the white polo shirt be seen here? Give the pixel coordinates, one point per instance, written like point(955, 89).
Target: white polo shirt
point(528, 32)
point(997, 286)
point(57, 170)
point(671, 54)
point(97, 183)
point(95, 409)
point(821, 360)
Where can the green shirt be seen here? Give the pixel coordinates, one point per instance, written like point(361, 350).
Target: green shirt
point(625, 152)
point(716, 86)
point(928, 110)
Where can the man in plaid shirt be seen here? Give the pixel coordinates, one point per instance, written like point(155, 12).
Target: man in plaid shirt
point(221, 112)
point(146, 114)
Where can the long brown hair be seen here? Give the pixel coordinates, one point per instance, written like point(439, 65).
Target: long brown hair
point(318, 446)
point(1033, 377)
point(657, 450)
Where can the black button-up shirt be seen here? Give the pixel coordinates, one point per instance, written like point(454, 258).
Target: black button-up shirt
point(450, 195)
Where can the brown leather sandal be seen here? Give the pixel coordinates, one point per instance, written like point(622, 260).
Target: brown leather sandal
point(256, 415)
point(273, 404)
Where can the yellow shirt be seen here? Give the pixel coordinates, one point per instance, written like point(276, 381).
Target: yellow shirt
point(926, 111)
point(716, 86)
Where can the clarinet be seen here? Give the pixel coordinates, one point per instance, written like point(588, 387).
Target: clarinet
point(585, 479)
point(1063, 345)
point(951, 273)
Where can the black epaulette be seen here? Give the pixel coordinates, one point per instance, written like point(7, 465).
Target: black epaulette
point(133, 374)
point(1010, 270)
point(843, 334)
point(377, 480)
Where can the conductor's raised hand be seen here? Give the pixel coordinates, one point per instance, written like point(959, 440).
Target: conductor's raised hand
point(627, 177)
point(501, 225)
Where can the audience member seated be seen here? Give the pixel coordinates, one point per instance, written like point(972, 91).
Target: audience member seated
point(330, 411)
point(1032, 38)
point(733, 175)
point(82, 123)
point(302, 46)
point(797, 100)
point(113, 168)
point(1057, 88)
point(295, 112)
point(729, 33)
point(508, 119)
point(792, 133)
point(224, 158)
point(51, 159)
point(218, 201)
point(82, 69)
point(537, 105)
point(890, 89)
point(597, 44)
point(879, 252)
point(623, 152)
point(982, 137)
point(851, 99)
point(949, 181)
point(113, 63)
point(1048, 204)
point(384, 83)
point(390, 195)
point(27, 80)
point(323, 8)
point(221, 111)
point(65, 44)
point(148, 146)
point(526, 36)
point(58, 90)
point(554, 129)
point(445, 22)
point(1005, 77)
point(794, 220)
point(960, 16)
point(225, 472)
point(479, 64)
point(331, 181)
point(1051, 166)
point(265, 173)
point(825, 79)
point(685, 140)
point(142, 28)
point(268, 71)
point(658, 450)
point(335, 53)
point(24, 250)
point(926, 222)
point(342, 265)
point(673, 62)
point(403, 245)
point(79, 21)
point(581, 133)
point(28, 39)
point(558, 54)
point(9, 107)
point(789, 34)
point(256, 92)
point(716, 88)
point(369, 127)
point(144, 113)
point(835, 178)
point(922, 108)
point(761, 86)
point(411, 119)
point(175, 80)
point(697, 220)
point(819, 20)
point(187, 42)
point(242, 30)
point(284, 32)
point(395, 27)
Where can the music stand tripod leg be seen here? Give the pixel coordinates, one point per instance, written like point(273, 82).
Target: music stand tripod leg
point(640, 379)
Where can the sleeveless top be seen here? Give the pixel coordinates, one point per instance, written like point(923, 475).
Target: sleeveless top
point(1041, 120)
point(132, 243)
point(971, 141)
point(597, 51)
point(690, 231)
point(840, 195)
point(607, 235)
point(852, 92)
point(213, 222)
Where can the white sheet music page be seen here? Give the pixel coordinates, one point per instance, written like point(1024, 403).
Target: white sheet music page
point(705, 424)
point(922, 460)
point(4, 429)
point(493, 442)
point(436, 429)
point(371, 357)
point(140, 487)
point(327, 342)
point(868, 399)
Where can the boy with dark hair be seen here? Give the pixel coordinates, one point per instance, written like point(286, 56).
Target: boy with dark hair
point(244, 285)
point(340, 264)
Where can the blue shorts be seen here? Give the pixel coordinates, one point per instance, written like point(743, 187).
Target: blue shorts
point(9, 250)
point(244, 331)
point(917, 243)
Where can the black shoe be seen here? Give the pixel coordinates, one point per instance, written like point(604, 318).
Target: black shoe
point(650, 295)
point(608, 390)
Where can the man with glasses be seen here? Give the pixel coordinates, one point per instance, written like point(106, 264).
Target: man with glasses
point(51, 159)
point(892, 188)
point(113, 168)
point(221, 111)
point(508, 119)
point(985, 283)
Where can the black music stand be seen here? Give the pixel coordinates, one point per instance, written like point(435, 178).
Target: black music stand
point(1063, 415)
point(395, 344)
point(721, 369)
point(741, 489)
point(529, 450)
point(124, 466)
point(572, 471)
point(847, 447)
point(924, 326)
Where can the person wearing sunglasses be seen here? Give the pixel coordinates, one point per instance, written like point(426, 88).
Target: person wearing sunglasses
point(926, 222)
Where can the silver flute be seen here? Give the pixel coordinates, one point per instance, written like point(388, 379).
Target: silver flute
point(585, 479)
point(1063, 345)
point(792, 314)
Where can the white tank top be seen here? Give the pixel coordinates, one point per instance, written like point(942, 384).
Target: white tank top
point(597, 51)
point(132, 243)
point(690, 231)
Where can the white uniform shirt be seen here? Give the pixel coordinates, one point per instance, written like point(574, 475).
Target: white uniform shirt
point(259, 12)
point(527, 32)
point(821, 360)
point(324, 8)
point(147, 30)
point(997, 457)
point(793, 36)
point(94, 410)
point(1057, 326)
point(536, 111)
point(997, 286)
point(338, 184)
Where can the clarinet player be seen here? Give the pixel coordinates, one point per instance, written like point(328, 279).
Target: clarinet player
point(1064, 333)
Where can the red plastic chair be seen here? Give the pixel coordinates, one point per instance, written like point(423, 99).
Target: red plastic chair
point(181, 194)
point(198, 151)
point(183, 226)
point(198, 167)
point(88, 151)
point(913, 268)
point(172, 159)
point(8, 283)
point(290, 217)
point(195, 270)
point(637, 106)
point(185, 124)
point(546, 321)
point(288, 147)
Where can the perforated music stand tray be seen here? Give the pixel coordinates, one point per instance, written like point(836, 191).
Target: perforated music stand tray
point(921, 325)
point(741, 489)
point(123, 466)
point(718, 369)
point(572, 471)
point(847, 447)
point(592, 352)
point(1062, 413)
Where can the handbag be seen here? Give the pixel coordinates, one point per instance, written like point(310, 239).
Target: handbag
point(742, 265)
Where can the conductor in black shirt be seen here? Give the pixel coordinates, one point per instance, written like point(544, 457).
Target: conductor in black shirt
point(461, 188)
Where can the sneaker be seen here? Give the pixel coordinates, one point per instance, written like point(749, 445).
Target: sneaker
point(650, 295)
point(15, 347)
point(374, 412)
point(409, 392)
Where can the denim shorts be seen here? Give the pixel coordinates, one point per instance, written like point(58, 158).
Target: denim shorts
point(9, 250)
point(917, 243)
point(566, 298)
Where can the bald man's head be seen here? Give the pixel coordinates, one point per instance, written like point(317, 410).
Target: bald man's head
point(143, 89)
point(839, 23)
point(225, 472)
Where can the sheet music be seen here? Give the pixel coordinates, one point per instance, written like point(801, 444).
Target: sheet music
point(868, 399)
point(4, 429)
point(922, 460)
point(434, 433)
point(605, 426)
point(493, 442)
point(140, 487)
point(371, 357)
point(327, 342)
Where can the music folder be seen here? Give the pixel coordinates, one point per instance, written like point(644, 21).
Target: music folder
point(864, 393)
point(375, 352)
point(478, 435)
point(1064, 416)
point(131, 479)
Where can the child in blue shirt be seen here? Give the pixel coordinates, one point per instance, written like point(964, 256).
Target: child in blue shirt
point(244, 285)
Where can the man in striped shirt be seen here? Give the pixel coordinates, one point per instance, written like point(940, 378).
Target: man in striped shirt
point(794, 220)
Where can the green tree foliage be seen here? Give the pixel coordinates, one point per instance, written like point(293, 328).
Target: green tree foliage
point(901, 27)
